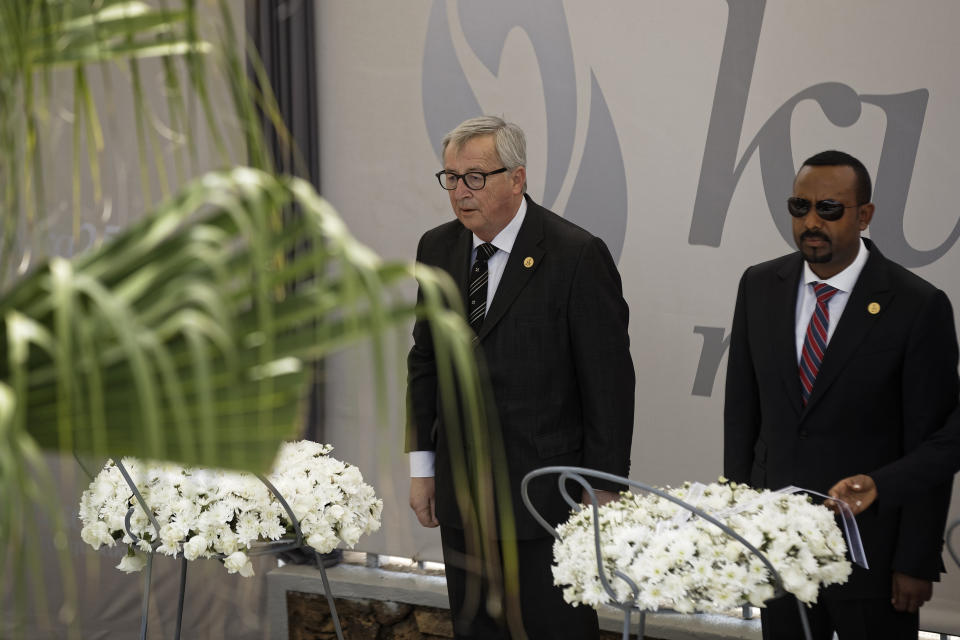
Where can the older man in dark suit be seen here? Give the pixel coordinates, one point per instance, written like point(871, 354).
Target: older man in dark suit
point(544, 298)
point(841, 360)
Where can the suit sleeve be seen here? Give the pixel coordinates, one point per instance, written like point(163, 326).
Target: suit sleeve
point(421, 384)
point(932, 463)
point(598, 318)
point(741, 407)
point(930, 390)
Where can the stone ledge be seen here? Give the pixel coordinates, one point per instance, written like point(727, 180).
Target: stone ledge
point(367, 583)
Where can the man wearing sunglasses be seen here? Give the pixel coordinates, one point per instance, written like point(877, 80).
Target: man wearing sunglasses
point(544, 300)
point(841, 360)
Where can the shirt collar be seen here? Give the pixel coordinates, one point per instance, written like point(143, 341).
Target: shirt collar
point(846, 279)
point(508, 235)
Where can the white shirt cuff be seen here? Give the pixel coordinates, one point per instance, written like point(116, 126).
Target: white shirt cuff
point(421, 464)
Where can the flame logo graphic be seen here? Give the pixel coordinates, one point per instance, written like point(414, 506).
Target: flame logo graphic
point(597, 198)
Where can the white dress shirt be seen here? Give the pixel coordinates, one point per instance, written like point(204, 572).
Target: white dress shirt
point(807, 300)
point(421, 462)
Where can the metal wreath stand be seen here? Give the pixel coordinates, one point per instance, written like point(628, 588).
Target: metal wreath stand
point(577, 474)
point(259, 549)
point(953, 552)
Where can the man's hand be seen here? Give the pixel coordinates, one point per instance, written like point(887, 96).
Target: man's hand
point(603, 497)
point(910, 593)
point(423, 493)
point(857, 491)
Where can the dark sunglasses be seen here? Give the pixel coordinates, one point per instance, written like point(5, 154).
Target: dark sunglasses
point(829, 210)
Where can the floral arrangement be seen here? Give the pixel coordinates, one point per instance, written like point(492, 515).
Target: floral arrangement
point(220, 514)
point(682, 562)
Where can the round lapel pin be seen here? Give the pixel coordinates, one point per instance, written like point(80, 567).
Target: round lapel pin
point(873, 308)
point(528, 262)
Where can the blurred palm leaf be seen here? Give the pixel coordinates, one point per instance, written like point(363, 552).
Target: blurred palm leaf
point(189, 337)
point(46, 45)
point(184, 338)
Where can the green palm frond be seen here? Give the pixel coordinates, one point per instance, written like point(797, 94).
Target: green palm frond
point(40, 42)
point(193, 318)
point(190, 336)
point(186, 338)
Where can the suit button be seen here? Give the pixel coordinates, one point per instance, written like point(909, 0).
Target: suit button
point(804, 433)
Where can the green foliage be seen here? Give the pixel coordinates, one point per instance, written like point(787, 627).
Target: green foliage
point(191, 336)
point(185, 338)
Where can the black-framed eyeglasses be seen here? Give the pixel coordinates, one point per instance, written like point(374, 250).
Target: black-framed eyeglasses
point(829, 210)
point(475, 180)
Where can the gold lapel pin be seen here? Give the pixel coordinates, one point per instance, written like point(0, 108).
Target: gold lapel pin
point(528, 262)
point(873, 308)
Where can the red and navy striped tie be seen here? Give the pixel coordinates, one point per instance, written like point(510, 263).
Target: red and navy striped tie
point(478, 286)
point(815, 342)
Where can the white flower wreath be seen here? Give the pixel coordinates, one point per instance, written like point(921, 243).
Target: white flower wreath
point(211, 513)
point(682, 562)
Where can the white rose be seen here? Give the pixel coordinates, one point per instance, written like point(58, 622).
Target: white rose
point(323, 541)
point(239, 561)
point(351, 479)
point(350, 533)
point(96, 534)
point(374, 522)
point(334, 513)
point(194, 547)
point(133, 563)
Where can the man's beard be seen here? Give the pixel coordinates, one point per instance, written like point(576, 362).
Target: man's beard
point(811, 255)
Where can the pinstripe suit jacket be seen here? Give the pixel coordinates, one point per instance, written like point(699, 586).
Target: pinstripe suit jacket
point(555, 350)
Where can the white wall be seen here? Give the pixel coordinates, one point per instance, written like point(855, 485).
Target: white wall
point(394, 76)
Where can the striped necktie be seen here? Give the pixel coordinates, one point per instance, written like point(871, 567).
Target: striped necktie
point(815, 341)
point(478, 286)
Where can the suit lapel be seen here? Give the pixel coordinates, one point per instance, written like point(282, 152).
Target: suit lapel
point(855, 323)
point(783, 340)
point(516, 274)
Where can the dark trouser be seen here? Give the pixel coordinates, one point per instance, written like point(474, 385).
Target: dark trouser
point(868, 619)
point(545, 614)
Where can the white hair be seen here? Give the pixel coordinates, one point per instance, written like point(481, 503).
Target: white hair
point(509, 141)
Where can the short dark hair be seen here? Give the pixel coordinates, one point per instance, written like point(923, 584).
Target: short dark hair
point(835, 158)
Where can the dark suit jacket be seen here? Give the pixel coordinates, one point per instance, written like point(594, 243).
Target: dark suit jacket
point(887, 381)
point(555, 347)
point(935, 461)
